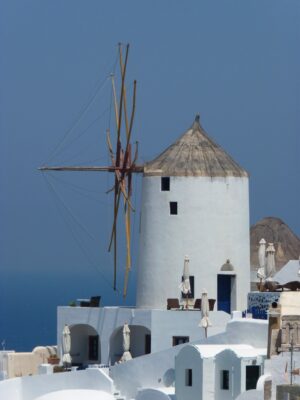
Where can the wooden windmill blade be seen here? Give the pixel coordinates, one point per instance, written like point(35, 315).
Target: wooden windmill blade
point(122, 66)
point(129, 128)
point(128, 160)
point(123, 75)
point(116, 159)
point(122, 165)
point(128, 235)
point(123, 159)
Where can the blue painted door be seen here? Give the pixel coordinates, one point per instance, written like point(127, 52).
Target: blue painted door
point(224, 293)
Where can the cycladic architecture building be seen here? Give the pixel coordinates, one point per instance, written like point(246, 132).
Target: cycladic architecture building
point(217, 372)
point(195, 202)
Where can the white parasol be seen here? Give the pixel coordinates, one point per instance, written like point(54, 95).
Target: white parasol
point(126, 344)
point(261, 273)
point(205, 322)
point(270, 269)
point(262, 253)
point(66, 346)
point(185, 285)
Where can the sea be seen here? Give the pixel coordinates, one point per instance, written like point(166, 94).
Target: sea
point(29, 301)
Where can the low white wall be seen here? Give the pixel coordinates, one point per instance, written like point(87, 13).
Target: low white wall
point(253, 332)
point(154, 370)
point(151, 394)
point(166, 324)
point(251, 395)
point(30, 388)
point(14, 364)
point(22, 364)
point(77, 394)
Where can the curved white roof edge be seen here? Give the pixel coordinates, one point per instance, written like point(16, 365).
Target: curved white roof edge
point(76, 394)
point(241, 350)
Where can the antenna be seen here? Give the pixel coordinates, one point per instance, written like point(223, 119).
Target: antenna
point(292, 355)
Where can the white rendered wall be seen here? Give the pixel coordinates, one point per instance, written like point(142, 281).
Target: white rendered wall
point(107, 322)
point(253, 332)
point(166, 324)
point(277, 364)
point(80, 350)
point(104, 321)
point(207, 364)
point(155, 370)
point(191, 359)
point(227, 360)
point(212, 226)
point(154, 394)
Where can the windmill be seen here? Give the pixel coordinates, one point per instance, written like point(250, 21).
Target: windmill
point(123, 165)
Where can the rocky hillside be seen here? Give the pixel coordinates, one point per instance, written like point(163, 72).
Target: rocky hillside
point(287, 244)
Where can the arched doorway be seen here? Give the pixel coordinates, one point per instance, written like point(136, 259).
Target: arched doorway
point(140, 342)
point(226, 288)
point(85, 345)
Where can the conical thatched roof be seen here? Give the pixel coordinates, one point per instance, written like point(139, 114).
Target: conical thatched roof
point(274, 230)
point(194, 154)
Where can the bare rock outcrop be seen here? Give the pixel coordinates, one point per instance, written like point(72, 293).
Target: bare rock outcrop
point(274, 230)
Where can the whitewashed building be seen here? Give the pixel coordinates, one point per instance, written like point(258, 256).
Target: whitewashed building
point(96, 333)
point(156, 376)
point(208, 372)
point(194, 201)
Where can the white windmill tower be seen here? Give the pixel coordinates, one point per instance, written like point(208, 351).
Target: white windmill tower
point(194, 201)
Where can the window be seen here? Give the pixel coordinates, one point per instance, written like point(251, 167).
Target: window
point(147, 344)
point(165, 184)
point(93, 347)
point(173, 208)
point(225, 379)
point(188, 377)
point(190, 295)
point(180, 340)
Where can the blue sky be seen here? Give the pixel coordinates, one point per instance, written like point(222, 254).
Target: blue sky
point(235, 62)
